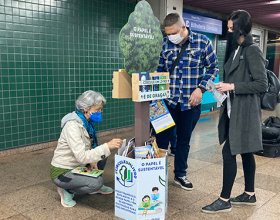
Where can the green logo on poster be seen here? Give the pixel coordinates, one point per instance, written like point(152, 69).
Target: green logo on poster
point(125, 173)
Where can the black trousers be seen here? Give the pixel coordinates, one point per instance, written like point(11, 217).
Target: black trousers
point(230, 170)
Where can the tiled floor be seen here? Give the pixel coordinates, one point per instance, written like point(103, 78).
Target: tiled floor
point(26, 191)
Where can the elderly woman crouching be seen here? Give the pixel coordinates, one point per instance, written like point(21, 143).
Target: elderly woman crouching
point(78, 146)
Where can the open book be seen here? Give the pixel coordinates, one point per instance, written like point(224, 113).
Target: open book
point(87, 172)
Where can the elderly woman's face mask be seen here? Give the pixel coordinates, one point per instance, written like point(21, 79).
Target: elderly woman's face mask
point(96, 117)
point(95, 113)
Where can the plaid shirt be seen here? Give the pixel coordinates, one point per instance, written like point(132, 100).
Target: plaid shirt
point(189, 73)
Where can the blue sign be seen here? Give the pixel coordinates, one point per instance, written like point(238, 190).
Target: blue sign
point(203, 24)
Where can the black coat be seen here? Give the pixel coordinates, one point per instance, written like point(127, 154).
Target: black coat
point(244, 126)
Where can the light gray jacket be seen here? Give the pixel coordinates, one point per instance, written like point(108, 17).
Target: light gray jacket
point(74, 145)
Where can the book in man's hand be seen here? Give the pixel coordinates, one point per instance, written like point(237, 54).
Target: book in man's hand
point(87, 172)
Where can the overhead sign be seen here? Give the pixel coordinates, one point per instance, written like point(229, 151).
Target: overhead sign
point(203, 24)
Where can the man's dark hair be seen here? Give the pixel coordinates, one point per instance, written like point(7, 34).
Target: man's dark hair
point(171, 19)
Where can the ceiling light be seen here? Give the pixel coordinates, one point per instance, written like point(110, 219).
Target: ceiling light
point(274, 2)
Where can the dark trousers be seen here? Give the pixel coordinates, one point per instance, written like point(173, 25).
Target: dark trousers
point(80, 184)
point(185, 121)
point(230, 169)
point(173, 140)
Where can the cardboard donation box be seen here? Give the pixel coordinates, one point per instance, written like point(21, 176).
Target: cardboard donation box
point(141, 187)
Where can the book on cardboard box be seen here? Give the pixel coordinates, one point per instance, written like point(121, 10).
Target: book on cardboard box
point(156, 149)
point(143, 152)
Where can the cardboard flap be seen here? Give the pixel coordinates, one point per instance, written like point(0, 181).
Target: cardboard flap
point(162, 153)
point(121, 85)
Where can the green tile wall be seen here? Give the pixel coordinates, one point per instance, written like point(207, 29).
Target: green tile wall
point(221, 50)
point(50, 52)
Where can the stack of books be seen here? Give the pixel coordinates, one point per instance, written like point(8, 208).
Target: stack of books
point(149, 151)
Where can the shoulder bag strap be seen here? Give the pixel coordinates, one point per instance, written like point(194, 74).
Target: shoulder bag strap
point(179, 57)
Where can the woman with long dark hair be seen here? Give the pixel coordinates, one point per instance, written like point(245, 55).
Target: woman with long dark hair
point(240, 115)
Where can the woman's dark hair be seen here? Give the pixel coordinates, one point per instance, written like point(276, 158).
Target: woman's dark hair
point(241, 21)
point(242, 25)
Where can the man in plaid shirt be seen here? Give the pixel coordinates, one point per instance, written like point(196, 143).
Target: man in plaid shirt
point(187, 84)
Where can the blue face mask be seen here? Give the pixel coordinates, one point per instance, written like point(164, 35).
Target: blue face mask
point(96, 117)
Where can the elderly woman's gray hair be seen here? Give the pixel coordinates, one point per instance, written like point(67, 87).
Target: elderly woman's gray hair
point(88, 99)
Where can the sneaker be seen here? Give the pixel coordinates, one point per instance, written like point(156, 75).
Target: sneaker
point(244, 199)
point(218, 206)
point(103, 190)
point(66, 197)
point(183, 182)
point(171, 154)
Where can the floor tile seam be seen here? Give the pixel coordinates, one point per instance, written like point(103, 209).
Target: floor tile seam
point(269, 175)
point(59, 204)
point(173, 213)
point(262, 164)
point(22, 215)
point(264, 203)
point(32, 185)
point(202, 192)
point(201, 149)
point(192, 212)
point(26, 187)
point(212, 147)
point(216, 162)
point(34, 207)
point(201, 167)
point(196, 134)
point(9, 208)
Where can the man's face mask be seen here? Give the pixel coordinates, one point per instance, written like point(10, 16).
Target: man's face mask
point(176, 38)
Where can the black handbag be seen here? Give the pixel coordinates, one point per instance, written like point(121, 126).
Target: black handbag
point(270, 98)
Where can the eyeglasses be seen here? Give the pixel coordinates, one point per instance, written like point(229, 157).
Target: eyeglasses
point(96, 111)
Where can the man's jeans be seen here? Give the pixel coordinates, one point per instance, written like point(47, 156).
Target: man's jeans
point(185, 121)
point(173, 140)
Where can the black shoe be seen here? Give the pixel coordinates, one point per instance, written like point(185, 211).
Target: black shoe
point(183, 182)
point(244, 199)
point(218, 206)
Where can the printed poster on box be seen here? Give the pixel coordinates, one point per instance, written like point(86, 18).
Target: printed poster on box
point(141, 188)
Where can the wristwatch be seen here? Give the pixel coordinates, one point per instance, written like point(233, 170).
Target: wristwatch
point(203, 90)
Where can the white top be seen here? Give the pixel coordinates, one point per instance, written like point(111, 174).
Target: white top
point(228, 99)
